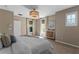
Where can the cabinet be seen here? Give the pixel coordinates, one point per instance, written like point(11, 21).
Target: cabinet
point(50, 34)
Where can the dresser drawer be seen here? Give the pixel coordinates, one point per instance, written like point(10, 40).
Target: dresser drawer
point(50, 34)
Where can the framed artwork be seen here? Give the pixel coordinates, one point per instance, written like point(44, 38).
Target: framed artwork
point(30, 22)
point(51, 25)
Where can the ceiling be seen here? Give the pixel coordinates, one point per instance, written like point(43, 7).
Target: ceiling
point(44, 10)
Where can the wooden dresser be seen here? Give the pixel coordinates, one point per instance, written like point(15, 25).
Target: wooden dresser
point(50, 34)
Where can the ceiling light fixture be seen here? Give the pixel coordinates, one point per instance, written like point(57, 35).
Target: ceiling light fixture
point(34, 14)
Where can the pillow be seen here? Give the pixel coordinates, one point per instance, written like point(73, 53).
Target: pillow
point(1, 43)
point(13, 39)
point(5, 41)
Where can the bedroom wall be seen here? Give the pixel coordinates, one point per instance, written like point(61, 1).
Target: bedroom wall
point(37, 27)
point(23, 26)
point(6, 22)
point(67, 34)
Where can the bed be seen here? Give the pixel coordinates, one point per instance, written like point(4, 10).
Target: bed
point(31, 45)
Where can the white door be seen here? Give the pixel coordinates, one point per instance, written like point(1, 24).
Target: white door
point(43, 28)
point(17, 28)
point(30, 27)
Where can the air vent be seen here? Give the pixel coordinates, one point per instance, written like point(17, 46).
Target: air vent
point(20, 14)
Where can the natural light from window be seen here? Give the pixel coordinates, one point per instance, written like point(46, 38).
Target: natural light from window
point(71, 19)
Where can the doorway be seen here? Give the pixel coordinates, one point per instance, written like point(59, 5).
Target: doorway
point(42, 27)
point(17, 28)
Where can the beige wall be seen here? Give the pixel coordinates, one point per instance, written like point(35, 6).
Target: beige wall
point(23, 27)
point(6, 22)
point(38, 27)
point(67, 34)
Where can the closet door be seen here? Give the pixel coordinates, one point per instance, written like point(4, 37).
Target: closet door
point(30, 27)
point(17, 28)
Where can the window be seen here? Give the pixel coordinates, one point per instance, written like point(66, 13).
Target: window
point(30, 22)
point(71, 19)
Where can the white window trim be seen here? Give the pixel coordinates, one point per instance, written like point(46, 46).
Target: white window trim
point(74, 12)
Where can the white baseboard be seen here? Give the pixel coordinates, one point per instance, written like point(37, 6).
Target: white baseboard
point(67, 43)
